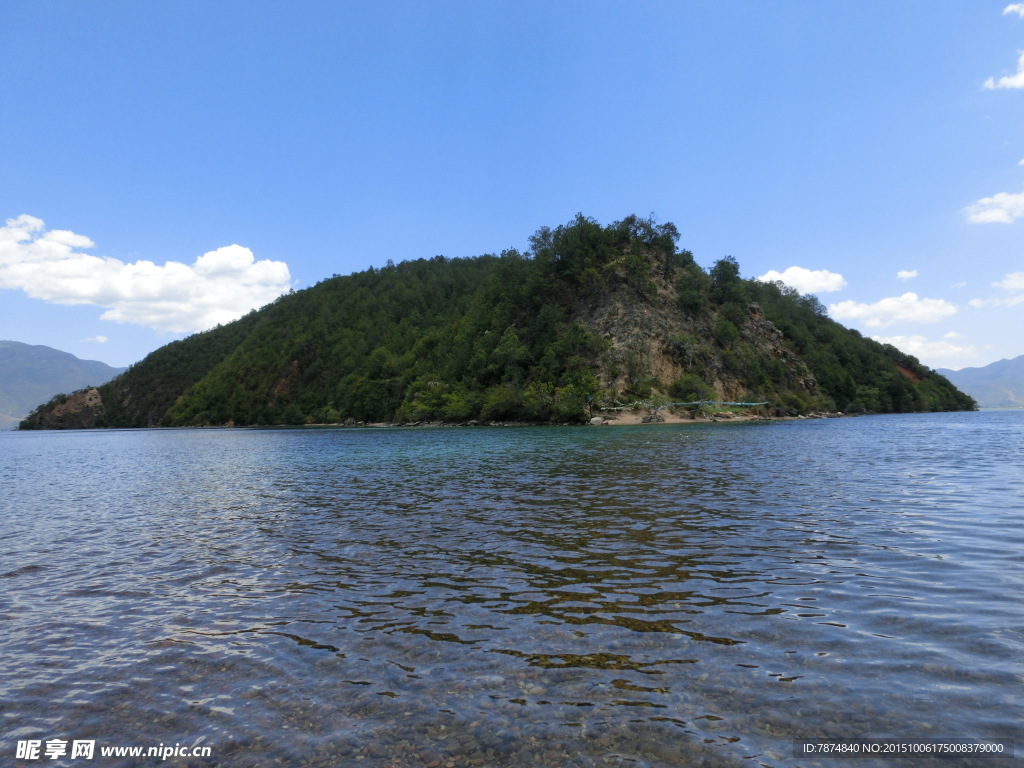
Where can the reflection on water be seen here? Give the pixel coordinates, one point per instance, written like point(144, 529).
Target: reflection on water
point(649, 596)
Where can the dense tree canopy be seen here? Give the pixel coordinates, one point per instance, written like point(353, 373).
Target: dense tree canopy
point(514, 337)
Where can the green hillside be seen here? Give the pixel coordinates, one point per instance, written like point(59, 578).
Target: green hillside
point(592, 316)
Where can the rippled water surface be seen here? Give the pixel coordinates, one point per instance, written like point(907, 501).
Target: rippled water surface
point(615, 596)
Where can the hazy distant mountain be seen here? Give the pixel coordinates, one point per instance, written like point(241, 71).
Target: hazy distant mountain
point(31, 374)
point(997, 385)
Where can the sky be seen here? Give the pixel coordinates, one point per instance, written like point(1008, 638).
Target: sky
point(168, 166)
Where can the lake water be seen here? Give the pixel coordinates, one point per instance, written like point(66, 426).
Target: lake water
point(663, 595)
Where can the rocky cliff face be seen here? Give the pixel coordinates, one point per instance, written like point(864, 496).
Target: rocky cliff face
point(78, 410)
point(769, 342)
point(656, 340)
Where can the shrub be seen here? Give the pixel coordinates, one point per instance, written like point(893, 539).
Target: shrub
point(690, 388)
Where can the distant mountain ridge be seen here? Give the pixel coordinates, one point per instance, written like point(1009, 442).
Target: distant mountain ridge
point(31, 374)
point(997, 385)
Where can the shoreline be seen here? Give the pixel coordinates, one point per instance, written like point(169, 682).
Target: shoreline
point(629, 418)
point(637, 417)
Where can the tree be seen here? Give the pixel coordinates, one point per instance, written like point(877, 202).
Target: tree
point(726, 284)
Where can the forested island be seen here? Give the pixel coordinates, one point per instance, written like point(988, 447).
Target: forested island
point(592, 317)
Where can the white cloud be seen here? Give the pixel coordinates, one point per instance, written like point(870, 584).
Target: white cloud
point(807, 280)
point(1012, 286)
point(1014, 281)
point(1017, 8)
point(906, 274)
point(97, 339)
point(1015, 80)
point(1002, 208)
point(220, 286)
point(944, 350)
point(908, 308)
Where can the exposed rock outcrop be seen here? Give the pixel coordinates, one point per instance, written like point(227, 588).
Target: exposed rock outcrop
point(79, 410)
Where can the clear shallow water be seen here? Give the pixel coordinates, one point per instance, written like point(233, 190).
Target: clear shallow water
point(649, 596)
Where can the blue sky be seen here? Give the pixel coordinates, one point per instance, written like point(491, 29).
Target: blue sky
point(170, 165)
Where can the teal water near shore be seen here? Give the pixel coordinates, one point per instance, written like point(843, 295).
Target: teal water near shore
point(666, 595)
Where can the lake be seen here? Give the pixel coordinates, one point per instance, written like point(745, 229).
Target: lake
point(664, 595)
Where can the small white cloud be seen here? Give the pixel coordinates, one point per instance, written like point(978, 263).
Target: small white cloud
point(1003, 208)
point(908, 308)
point(1014, 281)
point(906, 274)
point(220, 286)
point(96, 339)
point(807, 280)
point(960, 284)
point(1014, 81)
point(1017, 8)
point(1012, 286)
point(1020, 162)
point(944, 350)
